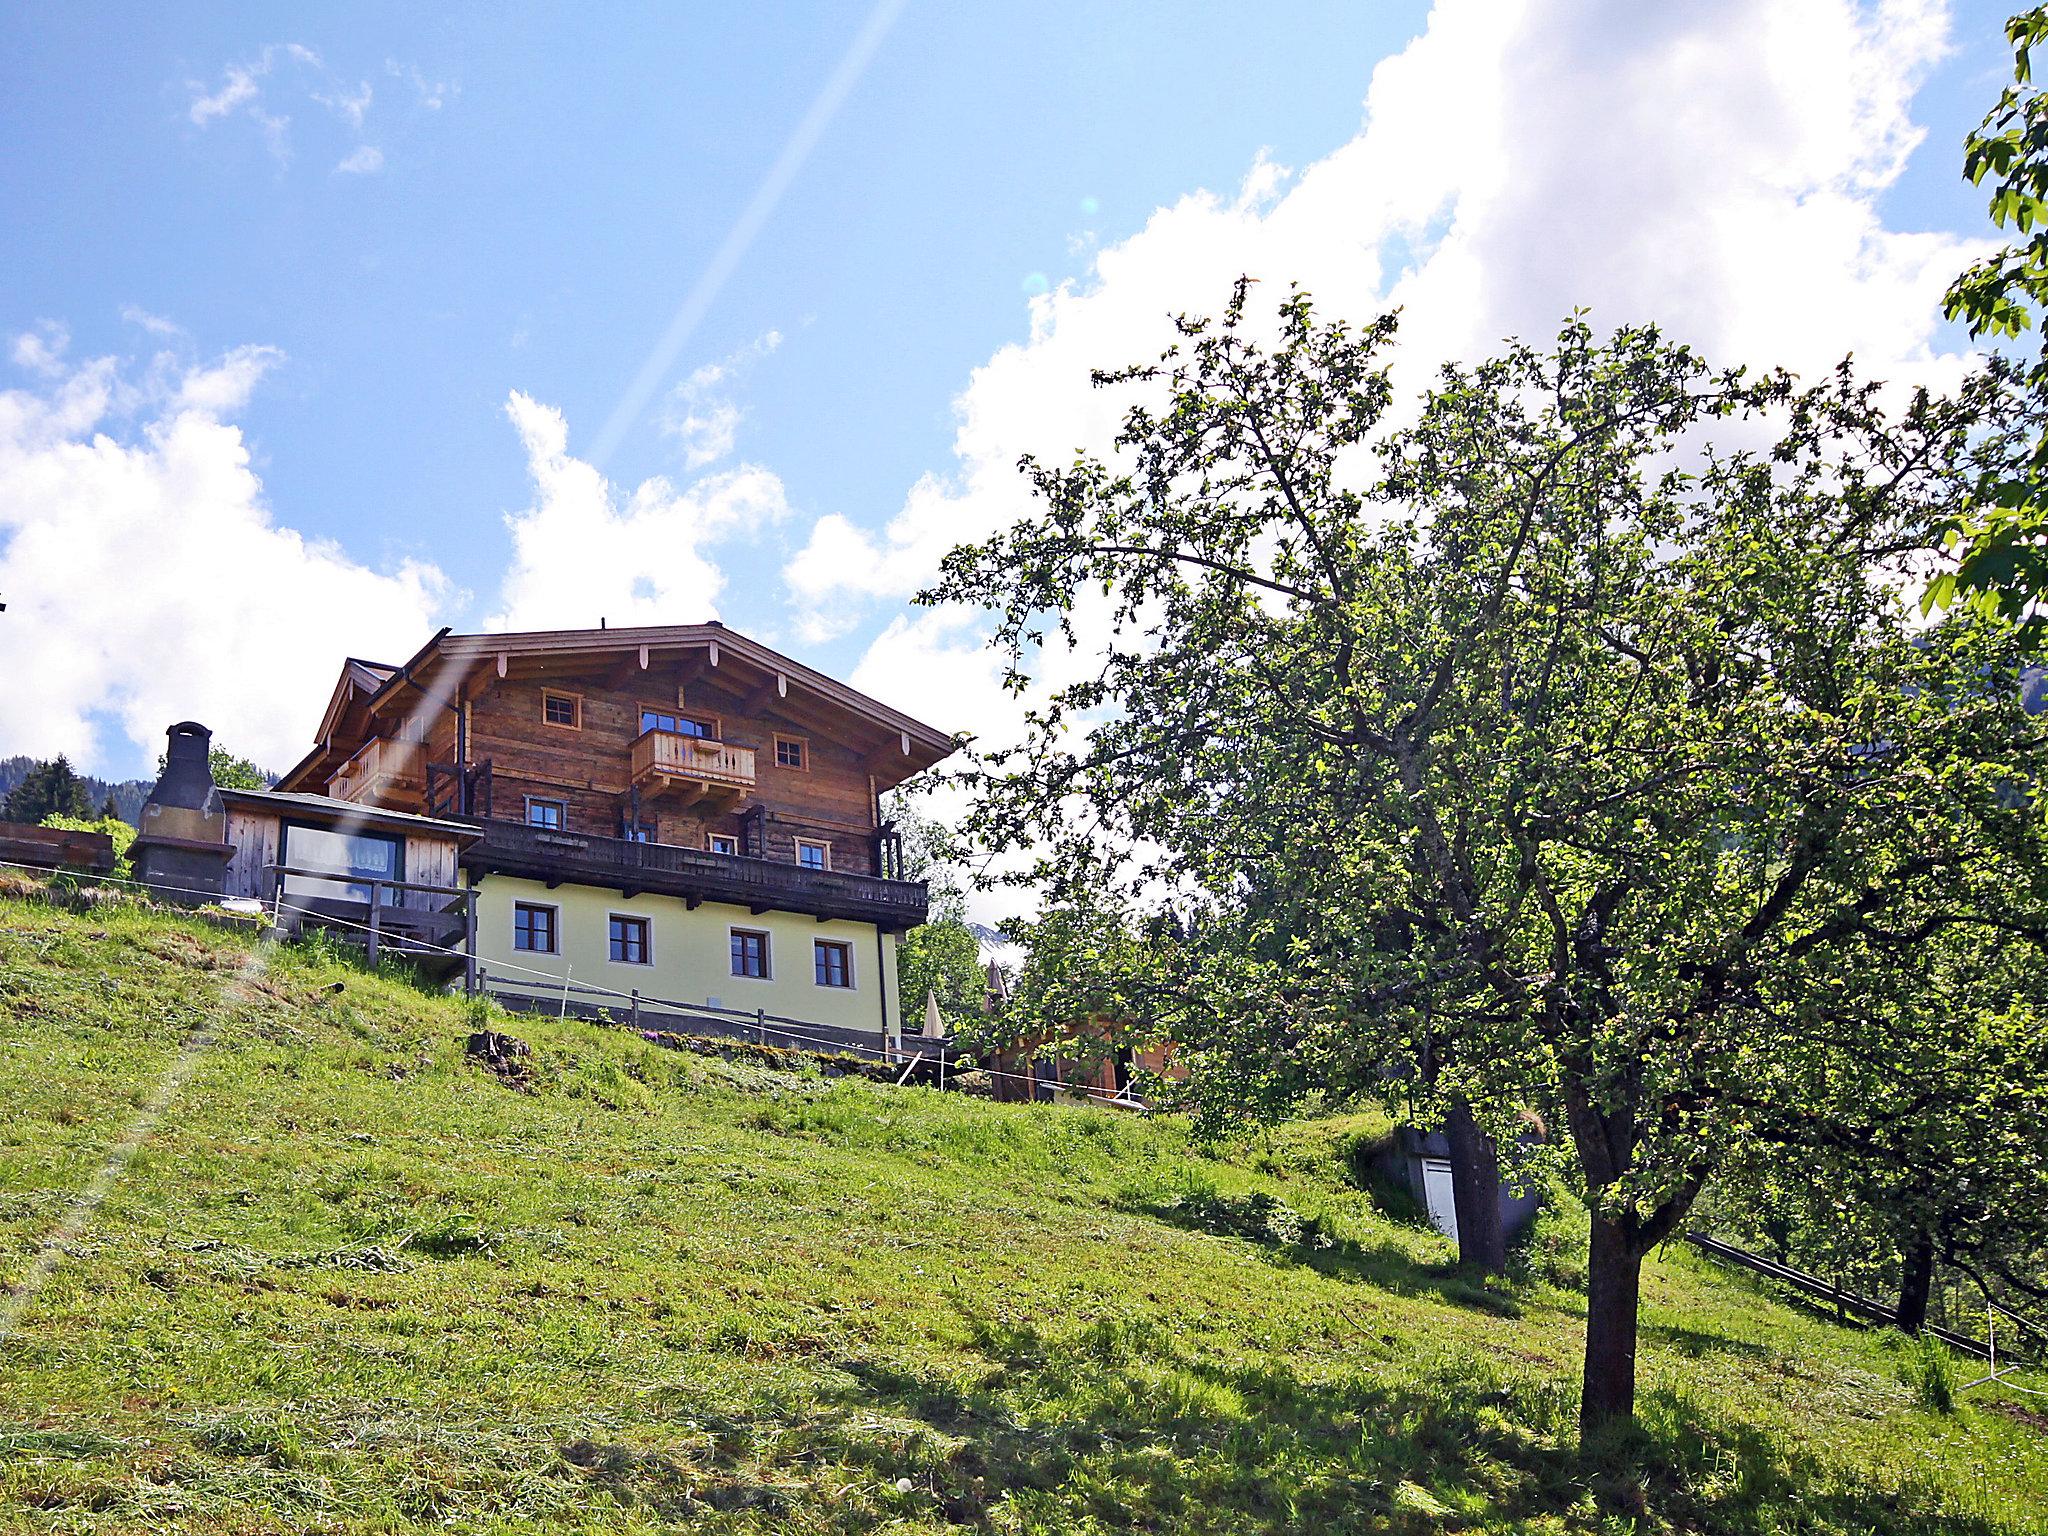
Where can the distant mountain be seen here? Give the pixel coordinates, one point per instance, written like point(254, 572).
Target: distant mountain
point(997, 945)
point(128, 794)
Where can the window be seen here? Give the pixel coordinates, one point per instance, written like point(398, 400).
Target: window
point(552, 814)
point(345, 862)
point(678, 725)
point(834, 963)
point(536, 928)
point(639, 832)
point(563, 709)
point(790, 752)
point(750, 953)
point(629, 941)
point(722, 842)
point(813, 855)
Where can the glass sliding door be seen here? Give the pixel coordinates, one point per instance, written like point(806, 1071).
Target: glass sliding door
point(343, 863)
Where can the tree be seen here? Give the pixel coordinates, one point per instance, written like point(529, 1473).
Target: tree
point(1540, 752)
point(50, 789)
point(2001, 543)
point(942, 959)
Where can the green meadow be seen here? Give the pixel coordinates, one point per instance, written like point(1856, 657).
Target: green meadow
point(349, 1281)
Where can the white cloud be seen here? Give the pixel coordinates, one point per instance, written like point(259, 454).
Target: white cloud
point(156, 325)
point(700, 412)
point(146, 580)
point(242, 88)
point(347, 105)
point(581, 554)
point(1715, 168)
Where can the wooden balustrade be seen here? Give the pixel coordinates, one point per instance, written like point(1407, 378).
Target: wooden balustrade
point(690, 765)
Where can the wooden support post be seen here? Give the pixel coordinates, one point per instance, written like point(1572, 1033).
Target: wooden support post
point(761, 1025)
point(376, 920)
point(636, 1008)
point(471, 975)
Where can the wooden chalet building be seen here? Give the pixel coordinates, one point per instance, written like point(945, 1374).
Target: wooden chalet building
point(678, 812)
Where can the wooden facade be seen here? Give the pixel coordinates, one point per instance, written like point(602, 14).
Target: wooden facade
point(690, 737)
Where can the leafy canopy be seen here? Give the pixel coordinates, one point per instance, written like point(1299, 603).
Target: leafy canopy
point(1542, 750)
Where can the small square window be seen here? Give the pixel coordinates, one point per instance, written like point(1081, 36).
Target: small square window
point(813, 855)
point(834, 963)
point(552, 814)
point(750, 953)
point(629, 944)
point(722, 842)
point(534, 928)
point(789, 753)
point(562, 709)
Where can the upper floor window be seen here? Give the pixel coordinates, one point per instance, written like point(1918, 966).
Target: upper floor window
point(791, 752)
point(833, 963)
point(813, 854)
point(536, 928)
point(629, 945)
point(722, 842)
point(676, 724)
point(750, 953)
point(640, 832)
point(563, 709)
point(552, 814)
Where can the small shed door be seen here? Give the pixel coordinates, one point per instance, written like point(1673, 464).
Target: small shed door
point(1436, 1195)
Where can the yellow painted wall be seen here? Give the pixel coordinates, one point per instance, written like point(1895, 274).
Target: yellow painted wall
point(692, 960)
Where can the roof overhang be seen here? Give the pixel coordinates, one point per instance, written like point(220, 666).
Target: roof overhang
point(326, 811)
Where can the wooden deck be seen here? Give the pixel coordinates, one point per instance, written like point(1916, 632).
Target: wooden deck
point(540, 853)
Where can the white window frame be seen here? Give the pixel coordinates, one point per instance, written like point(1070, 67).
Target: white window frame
point(554, 928)
point(731, 849)
point(852, 977)
point(819, 843)
point(647, 929)
point(767, 952)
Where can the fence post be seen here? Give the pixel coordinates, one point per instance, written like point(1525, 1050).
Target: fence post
point(376, 919)
point(471, 975)
point(636, 1009)
point(761, 1025)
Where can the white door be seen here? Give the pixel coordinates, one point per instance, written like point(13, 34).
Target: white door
point(1436, 1195)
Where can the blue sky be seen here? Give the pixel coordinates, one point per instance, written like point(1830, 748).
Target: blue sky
point(531, 195)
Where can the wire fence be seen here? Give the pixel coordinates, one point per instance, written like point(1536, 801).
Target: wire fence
point(553, 982)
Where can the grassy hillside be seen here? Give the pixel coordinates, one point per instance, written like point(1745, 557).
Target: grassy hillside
point(354, 1282)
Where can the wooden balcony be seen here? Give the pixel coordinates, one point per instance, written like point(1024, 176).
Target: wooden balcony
point(539, 853)
point(688, 768)
point(384, 772)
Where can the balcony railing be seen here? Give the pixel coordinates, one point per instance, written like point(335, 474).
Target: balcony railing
point(383, 771)
point(540, 853)
point(694, 764)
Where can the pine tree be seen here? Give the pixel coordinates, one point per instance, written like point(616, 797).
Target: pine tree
point(51, 789)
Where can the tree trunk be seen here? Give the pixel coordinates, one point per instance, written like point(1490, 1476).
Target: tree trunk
point(1916, 1281)
point(1614, 1274)
point(1475, 1191)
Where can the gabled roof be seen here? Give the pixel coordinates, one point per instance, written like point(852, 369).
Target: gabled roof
point(444, 664)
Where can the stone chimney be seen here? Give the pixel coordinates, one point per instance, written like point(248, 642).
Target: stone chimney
point(182, 851)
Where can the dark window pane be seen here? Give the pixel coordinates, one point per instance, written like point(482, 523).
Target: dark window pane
point(790, 754)
point(629, 940)
point(533, 928)
point(750, 954)
point(558, 710)
point(834, 965)
point(545, 813)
